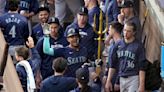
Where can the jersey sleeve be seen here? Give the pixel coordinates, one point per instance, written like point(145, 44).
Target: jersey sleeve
point(141, 58)
point(114, 59)
point(46, 46)
point(36, 60)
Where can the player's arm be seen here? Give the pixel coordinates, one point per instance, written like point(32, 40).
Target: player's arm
point(142, 66)
point(115, 10)
point(108, 86)
point(46, 46)
point(34, 7)
point(141, 81)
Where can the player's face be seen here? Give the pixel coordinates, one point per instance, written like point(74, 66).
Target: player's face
point(128, 32)
point(111, 31)
point(43, 16)
point(73, 40)
point(54, 29)
point(82, 19)
point(86, 2)
point(119, 2)
point(16, 56)
point(126, 11)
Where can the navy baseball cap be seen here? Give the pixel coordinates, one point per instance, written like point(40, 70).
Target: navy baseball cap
point(43, 7)
point(71, 32)
point(126, 4)
point(53, 20)
point(82, 74)
point(83, 11)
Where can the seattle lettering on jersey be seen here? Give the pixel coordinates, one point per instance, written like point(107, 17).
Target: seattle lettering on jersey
point(126, 54)
point(129, 55)
point(12, 19)
point(75, 60)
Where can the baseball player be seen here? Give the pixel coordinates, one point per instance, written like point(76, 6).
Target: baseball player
point(86, 32)
point(111, 9)
point(115, 34)
point(63, 7)
point(28, 8)
point(43, 15)
point(25, 67)
point(93, 9)
point(57, 40)
point(14, 27)
point(128, 14)
point(130, 58)
point(2, 7)
point(75, 54)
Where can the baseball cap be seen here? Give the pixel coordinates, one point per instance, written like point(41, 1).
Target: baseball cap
point(82, 74)
point(53, 20)
point(83, 11)
point(43, 7)
point(126, 4)
point(71, 32)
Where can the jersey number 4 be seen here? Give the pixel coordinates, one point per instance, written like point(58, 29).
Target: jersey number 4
point(12, 31)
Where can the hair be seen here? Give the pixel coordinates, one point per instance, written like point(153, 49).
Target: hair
point(23, 52)
point(85, 87)
point(130, 23)
point(13, 5)
point(82, 76)
point(59, 64)
point(117, 26)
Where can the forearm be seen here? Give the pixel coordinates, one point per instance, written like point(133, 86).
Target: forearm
point(142, 78)
point(110, 74)
point(46, 46)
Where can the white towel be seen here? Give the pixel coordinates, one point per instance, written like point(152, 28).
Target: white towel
point(30, 76)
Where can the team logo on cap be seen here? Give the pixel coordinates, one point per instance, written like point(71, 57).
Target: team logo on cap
point(71, 30)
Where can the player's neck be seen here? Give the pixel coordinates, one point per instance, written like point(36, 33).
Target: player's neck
point(130, 16)
point(54, 37)
point(82, 25)
point(117, 38)
point(129, 40)
point(58, 74)
point(12, 11)
point(91, 6)
point(74, 47)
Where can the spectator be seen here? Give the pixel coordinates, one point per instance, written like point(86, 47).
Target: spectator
point(25, 66)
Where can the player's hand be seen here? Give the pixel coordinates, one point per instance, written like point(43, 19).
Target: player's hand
point(50, 1)
point(141, 89)
point(46, 30)
point(30, 42)
point(116, 87)
point(38, 80)
point(108, 87)
point(98, 62)
point(86, 65)
point(104, 80)
point(121, 18)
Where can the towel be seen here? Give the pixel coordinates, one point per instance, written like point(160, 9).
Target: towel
point(30, 76)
